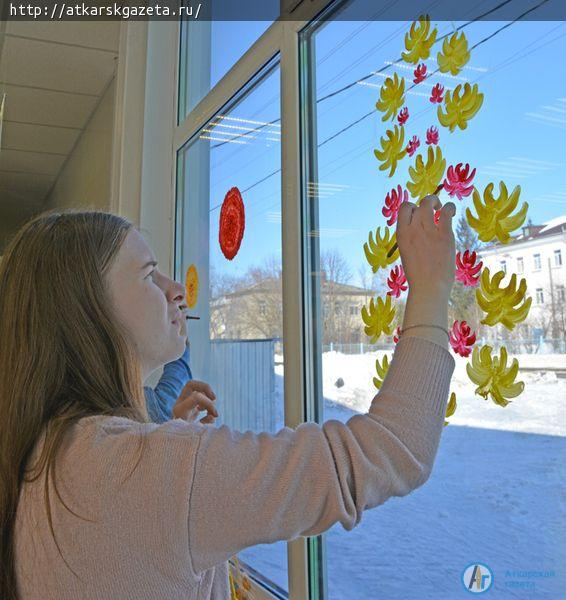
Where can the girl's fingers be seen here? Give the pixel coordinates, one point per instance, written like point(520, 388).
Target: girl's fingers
point(198, 401)
point(425, 213)
point(199, 386)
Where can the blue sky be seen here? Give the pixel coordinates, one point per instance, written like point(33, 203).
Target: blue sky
point(517, 136)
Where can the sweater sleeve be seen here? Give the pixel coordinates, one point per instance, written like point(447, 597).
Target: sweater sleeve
point(262, 488)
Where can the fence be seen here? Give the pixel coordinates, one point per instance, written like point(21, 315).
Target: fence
point(539, 345)
point(243, 377)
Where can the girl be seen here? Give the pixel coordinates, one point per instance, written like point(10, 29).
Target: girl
point(98, 502)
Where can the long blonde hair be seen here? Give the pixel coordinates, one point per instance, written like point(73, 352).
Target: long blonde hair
point(63, 355)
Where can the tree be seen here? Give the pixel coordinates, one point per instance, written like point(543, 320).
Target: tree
point(463, 305)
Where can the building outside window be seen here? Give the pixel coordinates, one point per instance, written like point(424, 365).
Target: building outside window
point(537, 263)
point(520, 266)
point(540, 296)
point(558, 258)
point(503, 265)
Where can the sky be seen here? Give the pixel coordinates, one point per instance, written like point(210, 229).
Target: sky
point(516, 137)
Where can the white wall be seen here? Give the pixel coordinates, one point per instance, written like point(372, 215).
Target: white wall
point(84, 181)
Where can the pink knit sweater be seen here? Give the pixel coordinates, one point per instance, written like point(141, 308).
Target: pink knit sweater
point(167, 531)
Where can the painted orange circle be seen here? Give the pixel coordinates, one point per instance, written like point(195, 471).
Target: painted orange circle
point(191, 286)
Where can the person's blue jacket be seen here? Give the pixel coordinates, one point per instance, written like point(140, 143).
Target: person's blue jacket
point(161, 399)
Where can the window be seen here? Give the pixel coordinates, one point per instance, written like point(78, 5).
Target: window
point(540, 296)
point(561, 292)
point(346, 62)
point(342, 63)
point(239, 300)
point(557, 258)
point(537, 263)
point(520, 266)
point(210, 48)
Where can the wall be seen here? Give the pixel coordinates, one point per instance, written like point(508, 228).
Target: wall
point(85, 179)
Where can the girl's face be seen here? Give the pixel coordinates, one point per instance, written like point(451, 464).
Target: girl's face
point(147, 303)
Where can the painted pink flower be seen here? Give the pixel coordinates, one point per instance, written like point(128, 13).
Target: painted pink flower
point(403, 115)
point(437, 94)
point(467, 271)
point(432, 135)
point(413, 145)
point(396, 335)
point(458, 181)
point(397, 281)
point(436, 217)
point(419, 73)
point(393, 202)
point(462, 338)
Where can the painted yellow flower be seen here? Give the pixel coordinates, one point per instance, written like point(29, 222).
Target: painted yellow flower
point(191, 286)
point(381, 370)
point(426, 177)
point(392, 149)
point(492, 376)
point(494, 220)
point(391, 97)
point(501, 303)
point(376, 252)
point(379, 318)
point(451, 409)
point(454, 55)
point(460, 108)
point(419, 40)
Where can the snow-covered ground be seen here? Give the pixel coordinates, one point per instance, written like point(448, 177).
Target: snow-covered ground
point(497, 495)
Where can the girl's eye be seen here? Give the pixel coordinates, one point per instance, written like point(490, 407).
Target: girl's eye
point(150, 274)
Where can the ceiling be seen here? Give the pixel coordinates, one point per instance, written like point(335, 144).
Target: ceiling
point(54, 75)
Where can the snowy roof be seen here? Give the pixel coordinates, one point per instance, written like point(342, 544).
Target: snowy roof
point(553, 223)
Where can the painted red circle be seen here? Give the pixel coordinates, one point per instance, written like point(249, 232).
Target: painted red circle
point(232, 223)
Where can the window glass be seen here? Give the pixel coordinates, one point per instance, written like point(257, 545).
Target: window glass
point(208, 50)
point(517, 137)
point(558, 258)
point(233, 165)
point(519, 265)
point(537, 261)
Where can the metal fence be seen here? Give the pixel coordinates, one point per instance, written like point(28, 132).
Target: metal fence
point(243, 377)
point(539, 345)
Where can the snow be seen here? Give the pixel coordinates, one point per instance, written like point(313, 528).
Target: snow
point(496, 495)
point(553, 223)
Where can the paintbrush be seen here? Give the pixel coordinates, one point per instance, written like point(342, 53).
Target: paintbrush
point(394, 247)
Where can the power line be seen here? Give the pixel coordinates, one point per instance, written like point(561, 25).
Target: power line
point(410, 88)
point(348, 86)
point(373, 111)
point(505, 63)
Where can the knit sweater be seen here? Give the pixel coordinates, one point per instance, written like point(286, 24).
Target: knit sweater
point(202, 493)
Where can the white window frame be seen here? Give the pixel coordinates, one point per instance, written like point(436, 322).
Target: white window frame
point(558, 258)
point(152, 50)
point(535, 267)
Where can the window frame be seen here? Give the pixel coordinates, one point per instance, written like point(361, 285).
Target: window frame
point(306, 564)
point(535, 267)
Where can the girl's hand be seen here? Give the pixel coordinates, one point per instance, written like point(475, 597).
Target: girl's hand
point(195, 397)
point(427, 250)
